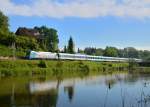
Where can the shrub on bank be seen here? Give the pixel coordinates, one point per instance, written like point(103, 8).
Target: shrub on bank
point(42, 64)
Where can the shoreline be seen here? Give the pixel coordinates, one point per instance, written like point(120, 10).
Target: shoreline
point(30, 67)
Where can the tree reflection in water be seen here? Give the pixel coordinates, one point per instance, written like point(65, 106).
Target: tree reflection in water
point(119, 90)
point(70, 92)
point(46, 99)
point(21, 96)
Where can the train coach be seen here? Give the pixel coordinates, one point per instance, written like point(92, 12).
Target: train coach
point(66, 56)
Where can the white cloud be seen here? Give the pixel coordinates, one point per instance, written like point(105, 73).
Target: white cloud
point(79, 8)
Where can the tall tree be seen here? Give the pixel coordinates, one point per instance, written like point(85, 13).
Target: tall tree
point(99, 52)
point(111, 52)
point(90, 51)
point(4, 23)
point(145, 55)
point(93, 51)
point(49, 38)
point(71, 46)
point(6, 37)
point(131, 52)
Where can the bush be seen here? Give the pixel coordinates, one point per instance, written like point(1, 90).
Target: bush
point(26, 43)
point(7, 39)
point(42, 64)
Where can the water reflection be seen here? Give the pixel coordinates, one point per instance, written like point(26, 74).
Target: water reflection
point(45, 99)
point(70, 92)
point(115, 90)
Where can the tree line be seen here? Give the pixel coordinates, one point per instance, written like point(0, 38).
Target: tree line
point(48, 40)
point(128, 52)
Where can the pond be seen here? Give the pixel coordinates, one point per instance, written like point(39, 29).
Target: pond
point(111, 90)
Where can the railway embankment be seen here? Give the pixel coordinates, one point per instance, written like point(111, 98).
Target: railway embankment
point(35, 67)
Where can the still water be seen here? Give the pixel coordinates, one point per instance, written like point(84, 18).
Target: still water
point(115, 90)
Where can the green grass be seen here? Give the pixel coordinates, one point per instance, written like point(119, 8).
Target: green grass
point(142, 70)
point(29, 67)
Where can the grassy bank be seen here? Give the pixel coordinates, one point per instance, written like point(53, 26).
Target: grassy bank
point(8, 52)
point(31, 67)
point(142, 70)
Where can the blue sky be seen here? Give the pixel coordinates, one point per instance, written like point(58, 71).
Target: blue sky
point(91, 23)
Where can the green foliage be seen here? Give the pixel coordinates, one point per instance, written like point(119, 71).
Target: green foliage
point(99, 52)
point(59, 64)
point(71, 46)
point(132, 64)
point(26, 43)
point(90, 51)
point(131, 52)
point(6, 51)
point(3, 24)
point(83, 67)
point(145, 55)
point(128, 52)
point(93, 51)
point(42, 64)
point(111, 52)
point(7, 39)
point(80, 51)
point(49, 38)
point(20, 67)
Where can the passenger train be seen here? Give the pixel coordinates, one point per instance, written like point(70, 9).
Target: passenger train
point(66, 56)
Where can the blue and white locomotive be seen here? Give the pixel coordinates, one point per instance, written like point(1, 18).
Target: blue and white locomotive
point(66, 56)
